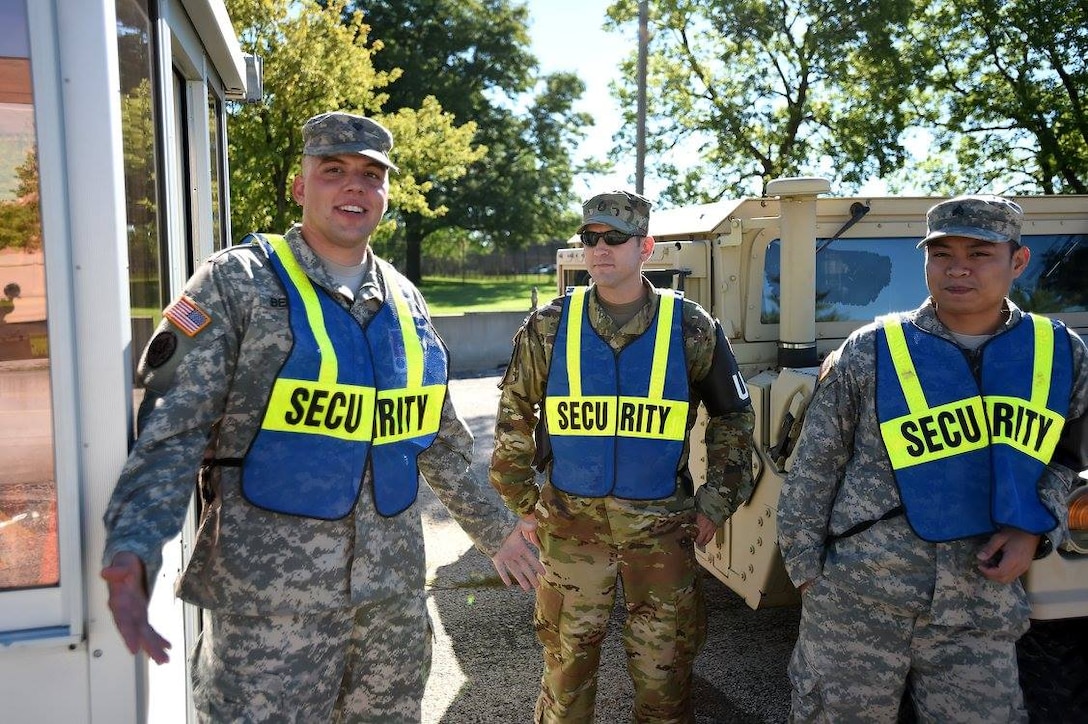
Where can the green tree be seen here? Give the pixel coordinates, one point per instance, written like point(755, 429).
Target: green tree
point(1005, 94)
point(743, 91)
point(753, 89)
point(318, 58)
point(20, 217)
point(473, 56)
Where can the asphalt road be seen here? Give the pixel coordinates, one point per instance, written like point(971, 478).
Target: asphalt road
point(487, 661)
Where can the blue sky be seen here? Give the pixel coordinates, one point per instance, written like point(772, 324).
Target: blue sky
point(568, 35)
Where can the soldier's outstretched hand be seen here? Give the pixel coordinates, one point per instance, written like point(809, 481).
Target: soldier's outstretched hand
point(128, 603)
point(517, 562)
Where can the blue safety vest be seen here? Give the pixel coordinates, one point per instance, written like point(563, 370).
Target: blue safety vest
point(344, 396)
point(617, 421)
point(967, 454)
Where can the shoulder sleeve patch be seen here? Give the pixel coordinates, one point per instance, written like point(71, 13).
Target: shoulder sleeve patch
point(161, 349)
point(187, 316)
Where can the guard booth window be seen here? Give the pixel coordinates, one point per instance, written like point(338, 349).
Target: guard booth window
point(29, 555)
point(138, 94)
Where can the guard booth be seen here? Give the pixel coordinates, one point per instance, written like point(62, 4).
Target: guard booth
point(113, 185)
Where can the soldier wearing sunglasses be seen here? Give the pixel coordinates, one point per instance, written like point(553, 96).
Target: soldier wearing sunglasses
point(601, 392)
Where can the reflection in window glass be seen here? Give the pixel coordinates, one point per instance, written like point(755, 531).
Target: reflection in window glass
point(141, 196)
point(215, 116)
point(1055, 278)
point(28, 490)
point(861, 279)
point(856, 279)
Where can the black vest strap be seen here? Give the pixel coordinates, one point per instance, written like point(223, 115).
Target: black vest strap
point(224, 462)
point(864, 525)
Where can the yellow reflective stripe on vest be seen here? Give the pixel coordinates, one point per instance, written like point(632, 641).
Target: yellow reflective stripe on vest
point(1044, 362)
point(317, 408)
point(329, 370)
point(1034, 431)
point(650, 417)
point(1030, 428)
point(904, 367)
point(926, 434)
point(413, 346)
point(574, 341)
point(661, 346)
point(627, 416)
point(592, 416)
point(655, 418)
point(415, 409)
point(407, 413)
point(935, 433)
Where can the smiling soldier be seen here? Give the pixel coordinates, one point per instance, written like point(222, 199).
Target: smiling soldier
point(312, 367)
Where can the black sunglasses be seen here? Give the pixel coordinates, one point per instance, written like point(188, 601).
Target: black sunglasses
point(610, 237)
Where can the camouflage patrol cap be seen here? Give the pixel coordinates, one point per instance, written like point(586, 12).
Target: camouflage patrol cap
point(329, 134)
point(622, 210)
point(983, 217)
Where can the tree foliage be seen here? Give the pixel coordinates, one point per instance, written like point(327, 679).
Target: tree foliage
point(316, 59)
point(473, 56)
point(1005, 94)
point(939, 95)
point(757, 90)
point(20, 217)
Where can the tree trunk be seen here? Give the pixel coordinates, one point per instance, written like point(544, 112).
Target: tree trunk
point(413, 252)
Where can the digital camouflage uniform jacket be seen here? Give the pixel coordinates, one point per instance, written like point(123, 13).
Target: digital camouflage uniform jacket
point(247, 560)
point(841, 476)
point(728, 437)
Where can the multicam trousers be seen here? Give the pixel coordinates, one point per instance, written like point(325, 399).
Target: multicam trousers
point(583, 552)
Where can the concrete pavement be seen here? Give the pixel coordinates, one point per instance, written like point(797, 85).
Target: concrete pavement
point(487, 660)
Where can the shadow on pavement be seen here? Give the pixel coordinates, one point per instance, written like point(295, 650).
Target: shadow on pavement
point(487, 661)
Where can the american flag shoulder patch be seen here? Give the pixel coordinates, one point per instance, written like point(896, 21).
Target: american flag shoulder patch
point(187, 316)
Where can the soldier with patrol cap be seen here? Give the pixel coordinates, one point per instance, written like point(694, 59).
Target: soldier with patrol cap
point(602, 388)
point(304, 372)
point(931, 469)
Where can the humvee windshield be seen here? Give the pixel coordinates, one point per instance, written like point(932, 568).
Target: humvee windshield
point(860, 279)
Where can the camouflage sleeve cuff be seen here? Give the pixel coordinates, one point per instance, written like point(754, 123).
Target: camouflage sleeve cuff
point(804, 566)
point(710, 503)
point(519, 497)
point(152, 560)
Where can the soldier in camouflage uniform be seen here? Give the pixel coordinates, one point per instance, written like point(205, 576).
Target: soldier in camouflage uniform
point(308, 564)
point(908, 557)
point(616, 505)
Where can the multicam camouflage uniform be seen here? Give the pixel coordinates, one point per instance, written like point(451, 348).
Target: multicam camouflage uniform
point(587, 541)
point(884, 603)
point(301, 614)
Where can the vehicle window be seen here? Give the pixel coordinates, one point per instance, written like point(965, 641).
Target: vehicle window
point(856, 279)
point(860, 279)
point(1054, 279)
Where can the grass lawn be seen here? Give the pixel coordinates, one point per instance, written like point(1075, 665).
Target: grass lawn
point(449, 295)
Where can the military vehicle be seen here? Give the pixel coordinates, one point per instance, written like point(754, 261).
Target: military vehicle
point(790, 275)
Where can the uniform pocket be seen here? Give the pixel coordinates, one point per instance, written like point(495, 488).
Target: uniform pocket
point(546, 616)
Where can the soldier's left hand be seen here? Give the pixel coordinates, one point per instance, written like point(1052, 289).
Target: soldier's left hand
point(1007, 555)
point(517, 561)
point(706, 529)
